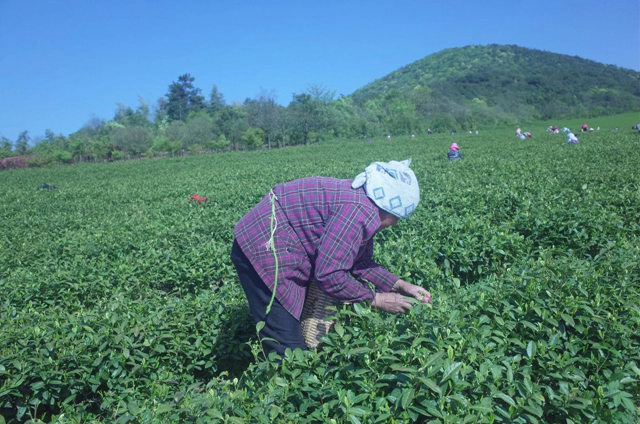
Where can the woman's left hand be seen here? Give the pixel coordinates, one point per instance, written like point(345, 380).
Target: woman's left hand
point(412, 290)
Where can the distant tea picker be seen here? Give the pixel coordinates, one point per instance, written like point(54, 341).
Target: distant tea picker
point(454, 152)
point(319, 232)
point(522, 135)
point(571, 137)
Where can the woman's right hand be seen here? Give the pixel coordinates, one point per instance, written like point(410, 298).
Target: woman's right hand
point(393, 303)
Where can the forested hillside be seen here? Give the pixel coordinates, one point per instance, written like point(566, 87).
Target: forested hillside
point(456, 89)
point(479, 84)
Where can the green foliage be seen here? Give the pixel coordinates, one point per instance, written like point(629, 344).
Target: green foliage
point(511, 82)
point(117, 155)
point(233, 123)
point(127, 117)
point(199, 128)
point(220, 144)
point(5, 147)
point(266, 114)
point(22, 143)
point(195, 149)
point(176, 132)
point(309, 115)
point(183, 98)
point(62, 156)
point(165, 145)
point(42, 160)
point(120, 302)
point(253, 138)
point(216, 101)
point(134, 140)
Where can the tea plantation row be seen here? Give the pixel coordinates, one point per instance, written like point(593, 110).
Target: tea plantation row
point(120, 304)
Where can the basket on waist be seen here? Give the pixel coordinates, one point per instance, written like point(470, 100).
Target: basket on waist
point(314, 313)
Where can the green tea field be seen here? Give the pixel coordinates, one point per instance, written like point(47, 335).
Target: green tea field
point(120, 303)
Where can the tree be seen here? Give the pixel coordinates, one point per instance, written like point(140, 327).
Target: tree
point(345, 119)
point(199, 129)
point(94, 124)
point(142, 114)
point(22, 143)
point(183, 98)
point(160, 113)
point(399, 115)
point(49, 136)
point(127, 117)
point(253, 138)
point(163, 144)
point(264, 113)
point(135, 140)
point(321, 94)
point(233, 123)
point(176, 132)
point(52, 142)
point(220, 144)
point(5, 147)
point(99, 147)
point(216, 101)
point(402, 117)
point(122, 114)
point(309, 113)
point(282, 127)
point(301, 115)
point(77, 149)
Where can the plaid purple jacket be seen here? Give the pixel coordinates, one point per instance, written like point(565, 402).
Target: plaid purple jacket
point(324, 232)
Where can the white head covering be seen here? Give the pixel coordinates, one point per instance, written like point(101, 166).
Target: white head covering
point(392, 186)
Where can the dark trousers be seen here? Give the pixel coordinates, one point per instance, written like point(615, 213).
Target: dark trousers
point(279, 324)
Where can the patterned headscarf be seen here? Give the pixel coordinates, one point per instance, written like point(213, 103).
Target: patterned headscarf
point(392, 186)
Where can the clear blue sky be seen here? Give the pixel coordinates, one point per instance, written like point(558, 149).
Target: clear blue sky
point(63, 62)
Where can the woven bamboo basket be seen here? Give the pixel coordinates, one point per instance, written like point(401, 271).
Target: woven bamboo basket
point(314, 313)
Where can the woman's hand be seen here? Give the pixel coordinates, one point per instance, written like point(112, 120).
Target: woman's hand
point(412, 290)
point(393, 303)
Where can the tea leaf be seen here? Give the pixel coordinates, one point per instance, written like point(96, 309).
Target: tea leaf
point(505, 398)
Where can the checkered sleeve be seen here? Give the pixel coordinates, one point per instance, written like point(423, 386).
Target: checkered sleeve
point(366, 268)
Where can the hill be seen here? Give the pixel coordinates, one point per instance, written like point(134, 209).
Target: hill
point(506, 82)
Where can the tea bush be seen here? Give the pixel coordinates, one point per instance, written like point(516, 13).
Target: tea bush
point(120, 303)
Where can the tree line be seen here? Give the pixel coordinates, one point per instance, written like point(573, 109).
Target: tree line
point(184, 121)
